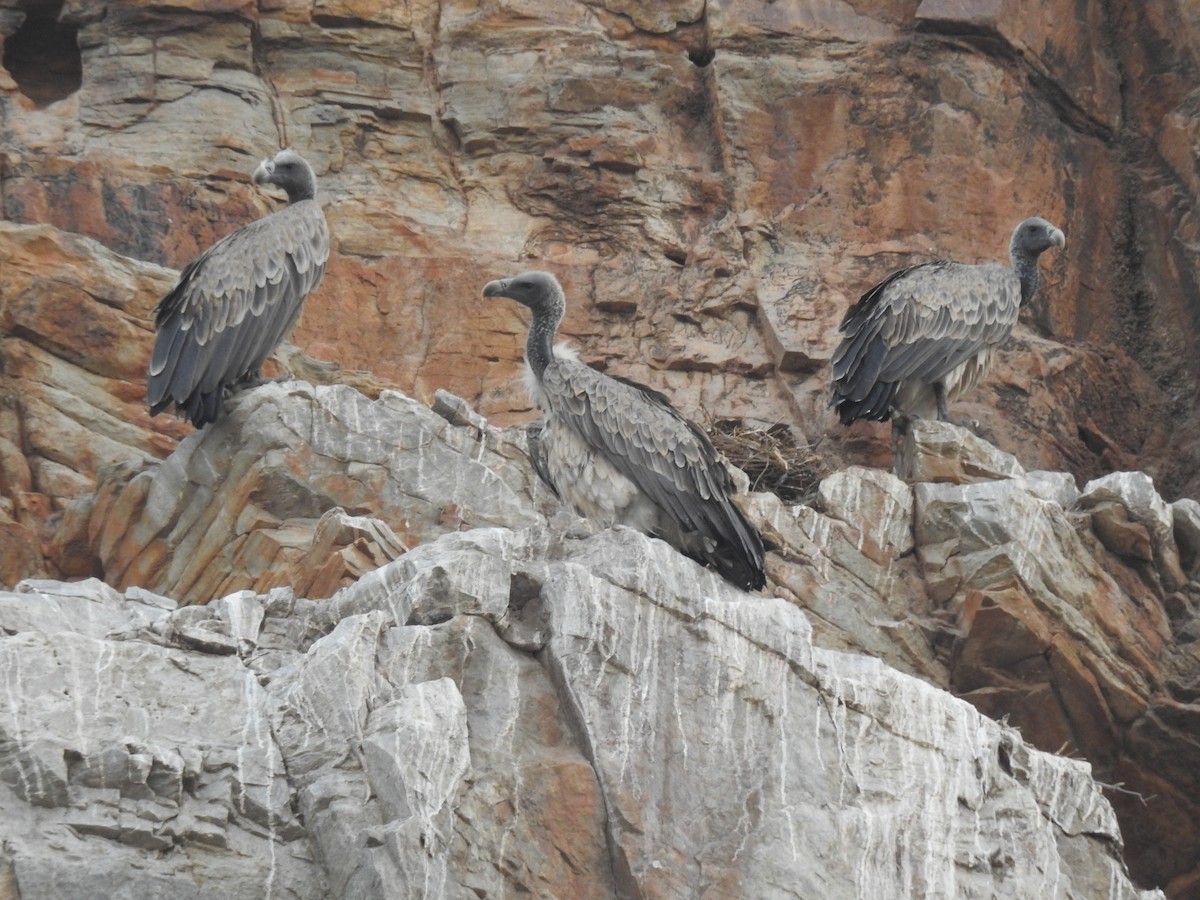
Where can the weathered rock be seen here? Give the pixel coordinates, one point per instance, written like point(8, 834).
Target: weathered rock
point(1132, 520)
point(1065, 639)
point(1054, 487)
point(1071, 643)
point(941, 452)
point(714, 183)
point(1185, 517)
point(258, 499)
point(686, 170)
point(857, 592)
point(437, 757)
point(119, 751)
point(73, 397)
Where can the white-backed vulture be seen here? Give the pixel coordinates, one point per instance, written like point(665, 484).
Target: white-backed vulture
point(926, 335)
point(618, 452)
point(237, 300)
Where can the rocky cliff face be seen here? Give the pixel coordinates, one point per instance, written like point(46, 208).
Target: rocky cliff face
point(714, 182)
point(519, 705)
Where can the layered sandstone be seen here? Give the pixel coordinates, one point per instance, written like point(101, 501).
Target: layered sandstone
point(714, 183)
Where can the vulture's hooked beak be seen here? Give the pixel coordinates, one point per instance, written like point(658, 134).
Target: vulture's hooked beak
point(495, 288)
point(1058, 239)
point(266, 169)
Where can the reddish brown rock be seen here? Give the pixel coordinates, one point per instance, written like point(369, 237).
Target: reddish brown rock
point(714, 184)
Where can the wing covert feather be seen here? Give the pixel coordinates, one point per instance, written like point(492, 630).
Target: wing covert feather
point(234, 303)
point(643, 437)
point(922, 322)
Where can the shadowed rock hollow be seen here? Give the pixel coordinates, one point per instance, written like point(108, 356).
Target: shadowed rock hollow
point(714, 183)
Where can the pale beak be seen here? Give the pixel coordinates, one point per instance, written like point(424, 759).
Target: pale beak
point(495, 288)
point(265, 170)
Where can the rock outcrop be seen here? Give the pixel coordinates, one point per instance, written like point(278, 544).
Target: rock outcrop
point(599, 714)
point(509, 711)
point(713, 182)
point(304, 487)
point(413, 667)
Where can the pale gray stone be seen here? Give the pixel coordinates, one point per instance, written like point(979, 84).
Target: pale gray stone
point(1058, 487)
point(87, 607)
point(552, 713)
point(156, 756)
point(416, 756)
point(422, 587)
point(1185, 516)
point(201, 627)
point(658, 721)
point(416, 749)
point(243, 614)
point(934, 451)
point(877, 502)
point(856, 590)
point(402, 468)
point(993, 536)
point(455, 410)
point(1121, 499)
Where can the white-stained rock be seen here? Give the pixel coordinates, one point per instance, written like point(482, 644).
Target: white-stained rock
point(140, 750)
point(675, 737)
point(260, 497)
point(1132, 520)
point(1058, 487)
point(935, 451)
point(715, 183)
point(876, 500)
point(90, 608)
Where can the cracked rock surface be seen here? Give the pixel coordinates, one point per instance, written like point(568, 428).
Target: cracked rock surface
point(650, 731)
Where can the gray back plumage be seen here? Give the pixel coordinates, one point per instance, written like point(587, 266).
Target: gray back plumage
point(671, 460)
point(923, 324)
point(232, 307)
point(619, 451)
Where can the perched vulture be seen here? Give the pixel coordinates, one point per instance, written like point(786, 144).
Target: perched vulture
point(237, 300)
point(619, 453)
point(925, 335)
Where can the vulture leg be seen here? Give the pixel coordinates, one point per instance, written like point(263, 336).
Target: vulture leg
point(251, 379)
point(939, 394)
point(900, 423)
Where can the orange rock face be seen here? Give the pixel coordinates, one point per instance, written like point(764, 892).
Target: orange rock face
point(714, 184)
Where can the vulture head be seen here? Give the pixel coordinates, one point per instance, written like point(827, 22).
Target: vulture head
point(1029, 240)
point(1035, 235)
point(287, 169)
point(540, 291)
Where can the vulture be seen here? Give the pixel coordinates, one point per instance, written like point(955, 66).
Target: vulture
point(619, 453)
point(237, 300)
point(926, 335)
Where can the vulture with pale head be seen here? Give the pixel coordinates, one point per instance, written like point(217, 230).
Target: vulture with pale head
point(926, 335)
point(238, 300)
point(618, 452)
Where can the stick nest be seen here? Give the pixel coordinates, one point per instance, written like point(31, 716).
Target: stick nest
point(772, 459)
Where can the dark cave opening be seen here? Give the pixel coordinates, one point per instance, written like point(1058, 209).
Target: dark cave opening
point(43, 54)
